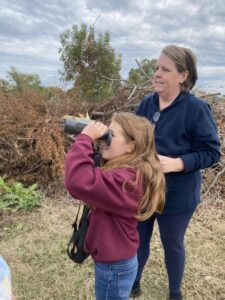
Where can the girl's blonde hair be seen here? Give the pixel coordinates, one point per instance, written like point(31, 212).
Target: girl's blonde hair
point(144, 160)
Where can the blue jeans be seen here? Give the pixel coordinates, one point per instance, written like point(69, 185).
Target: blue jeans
point(114, 280)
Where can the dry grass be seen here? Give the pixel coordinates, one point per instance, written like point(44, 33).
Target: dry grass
point(34, 245)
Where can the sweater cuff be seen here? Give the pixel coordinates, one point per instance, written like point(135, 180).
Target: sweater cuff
point(84, 137)
point(187, 161)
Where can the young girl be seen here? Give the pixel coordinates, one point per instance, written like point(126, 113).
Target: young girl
point(129, 187)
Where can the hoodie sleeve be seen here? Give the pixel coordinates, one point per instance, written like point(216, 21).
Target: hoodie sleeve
point(205, 143)
point(98, 188)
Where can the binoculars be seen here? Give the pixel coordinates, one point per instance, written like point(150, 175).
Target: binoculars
point(75, 127)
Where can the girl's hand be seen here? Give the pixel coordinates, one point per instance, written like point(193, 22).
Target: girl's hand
point(95, 130)
point(170, 164)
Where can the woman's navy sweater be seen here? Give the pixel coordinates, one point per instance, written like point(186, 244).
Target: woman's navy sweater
point(185, 129)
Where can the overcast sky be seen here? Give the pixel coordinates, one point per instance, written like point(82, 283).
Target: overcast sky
point(30, 30)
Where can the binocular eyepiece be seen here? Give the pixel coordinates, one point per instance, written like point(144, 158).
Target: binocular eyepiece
point(74, 127)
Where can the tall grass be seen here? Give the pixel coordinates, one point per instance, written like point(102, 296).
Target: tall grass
point(34, 245)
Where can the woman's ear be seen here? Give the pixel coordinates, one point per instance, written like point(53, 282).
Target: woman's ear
point(184, 76)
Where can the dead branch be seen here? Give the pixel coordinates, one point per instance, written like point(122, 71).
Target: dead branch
point(4, 158)
point(215, 180)
point(110, 112)
point(131, 94)
point(135, 86)
point(209, 95)
point(117, 79)
point(142, 71)
point(34, 167)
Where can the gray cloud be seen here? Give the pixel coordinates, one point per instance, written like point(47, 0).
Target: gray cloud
point(125, 6)
point(30, 30)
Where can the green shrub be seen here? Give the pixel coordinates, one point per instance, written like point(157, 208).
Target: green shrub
point(15, 196)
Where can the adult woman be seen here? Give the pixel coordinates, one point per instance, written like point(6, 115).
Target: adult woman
point(187, 141)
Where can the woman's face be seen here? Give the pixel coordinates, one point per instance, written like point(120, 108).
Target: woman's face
point(167, 79)
point(119, 144)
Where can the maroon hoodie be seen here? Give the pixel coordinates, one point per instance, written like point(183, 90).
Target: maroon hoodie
point(112, 233)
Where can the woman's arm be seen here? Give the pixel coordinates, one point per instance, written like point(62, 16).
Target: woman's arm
point(205, 142)
point(205, 146)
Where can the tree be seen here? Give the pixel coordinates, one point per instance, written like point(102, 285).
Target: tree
point(88, 61)
point(4, 84)
point(20, 81)
point(144, 72)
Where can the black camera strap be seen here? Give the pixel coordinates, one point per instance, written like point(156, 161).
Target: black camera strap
point(75, 247)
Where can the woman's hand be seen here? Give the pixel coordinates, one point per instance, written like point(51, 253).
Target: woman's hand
point(95, 130)
point(170, 164)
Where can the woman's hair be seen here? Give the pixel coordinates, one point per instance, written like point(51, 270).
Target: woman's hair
point(144, 160)
point(185, 60)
